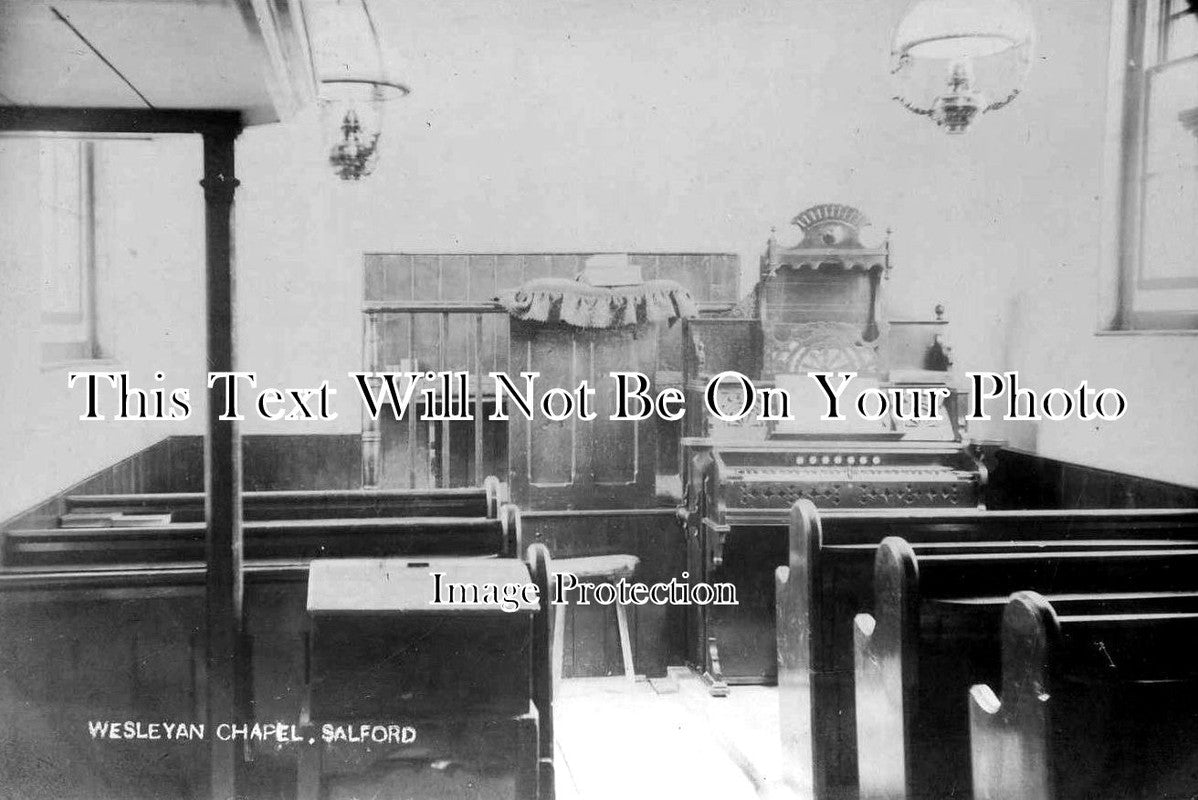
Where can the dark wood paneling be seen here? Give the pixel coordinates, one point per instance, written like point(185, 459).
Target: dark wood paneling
point(186, 467)
point(592, 644)
point(373, 285)
point(509, 271)
point(397, 279)
point(434, 341)
point(326, 461)
point(311, 461)
point(176, 464)
point(552, 460)
point(71, 659)
point(711, 277)
point(1026, 480)
point(573, 463)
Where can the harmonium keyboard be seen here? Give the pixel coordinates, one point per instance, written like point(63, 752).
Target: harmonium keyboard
point(756, 484)
point(816, 308)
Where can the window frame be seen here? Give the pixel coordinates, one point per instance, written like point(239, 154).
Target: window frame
point(1137, 26)
point(72, 337)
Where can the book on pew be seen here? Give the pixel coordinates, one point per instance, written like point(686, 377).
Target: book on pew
point(109, 519)
point(84, 519)
point(140, 520)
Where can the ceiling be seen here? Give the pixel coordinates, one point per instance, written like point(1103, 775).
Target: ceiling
point(244, 55)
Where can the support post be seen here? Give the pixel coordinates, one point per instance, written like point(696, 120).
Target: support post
point(222, 474)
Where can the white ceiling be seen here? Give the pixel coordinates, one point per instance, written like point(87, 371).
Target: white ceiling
point(195, 54)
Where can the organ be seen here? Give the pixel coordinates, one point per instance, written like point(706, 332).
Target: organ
point(817, 306)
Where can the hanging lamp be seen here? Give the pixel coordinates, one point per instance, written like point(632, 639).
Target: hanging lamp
point(955, 59)
point(354, 82)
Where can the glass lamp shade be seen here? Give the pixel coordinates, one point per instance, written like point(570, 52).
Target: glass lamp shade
point(352, 117)
point(354, 82)
point(955, 59)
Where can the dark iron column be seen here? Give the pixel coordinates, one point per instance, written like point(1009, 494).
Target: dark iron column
point(222, 476)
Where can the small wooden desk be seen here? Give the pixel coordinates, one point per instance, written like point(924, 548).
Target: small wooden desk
point(356, 586)
point(464, 674)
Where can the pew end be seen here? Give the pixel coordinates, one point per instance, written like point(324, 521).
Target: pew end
point(540, 568)
point(497, 494)
point(988, 746)
point(885, 673)
point(491, 487)
point(1010, 737)
point(512, 527)
point(792, 631)
point(881, 762)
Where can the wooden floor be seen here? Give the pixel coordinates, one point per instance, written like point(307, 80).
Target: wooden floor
point(666, 738)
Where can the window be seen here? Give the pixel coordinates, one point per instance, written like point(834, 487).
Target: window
point(67, 226)
point(1158, 164)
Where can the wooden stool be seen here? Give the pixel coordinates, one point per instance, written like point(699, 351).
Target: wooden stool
point(594, 569)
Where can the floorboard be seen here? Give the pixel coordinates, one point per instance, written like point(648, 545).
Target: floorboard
point(666, 739)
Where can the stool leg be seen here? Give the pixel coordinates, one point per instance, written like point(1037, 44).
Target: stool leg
point(559, 643)
point(625, 641)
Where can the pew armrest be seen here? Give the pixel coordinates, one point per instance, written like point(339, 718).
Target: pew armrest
point(881, 713)
point(983, 704)
point(863, 630)
point(986, 743)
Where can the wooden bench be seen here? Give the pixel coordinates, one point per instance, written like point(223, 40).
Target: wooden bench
point(293, 539)
point(93, 637)
point(931, 637)
point(1093, 705)
point(480, 501)
point(829, 579)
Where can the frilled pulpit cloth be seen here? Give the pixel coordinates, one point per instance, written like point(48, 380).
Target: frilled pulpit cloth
point(560, 300)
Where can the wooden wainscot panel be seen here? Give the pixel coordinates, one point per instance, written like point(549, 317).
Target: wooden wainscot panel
point(572, 463)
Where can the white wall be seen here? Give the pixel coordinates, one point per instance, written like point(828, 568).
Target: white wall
point(150, 234)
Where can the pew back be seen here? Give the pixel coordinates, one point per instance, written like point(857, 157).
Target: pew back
point(288, 539)
point(474, 501)
point(918, 654)
point(821, 589)
point(1092, 705)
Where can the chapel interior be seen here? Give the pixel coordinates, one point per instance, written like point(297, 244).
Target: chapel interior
point(198, 604)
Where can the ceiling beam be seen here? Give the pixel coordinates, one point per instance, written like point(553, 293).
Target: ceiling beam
point(118, 120)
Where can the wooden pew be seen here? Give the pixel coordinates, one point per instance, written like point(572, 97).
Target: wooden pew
point(481, 501)
point(1093, 705)
point(930, 639)
point(295, 539)
point(89, 645)
point(829, 579)
point(94, 640)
